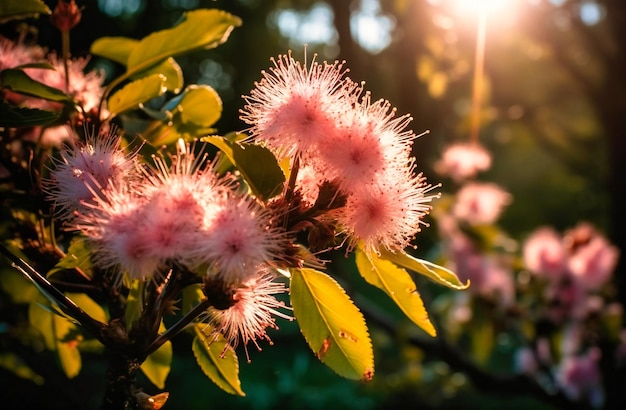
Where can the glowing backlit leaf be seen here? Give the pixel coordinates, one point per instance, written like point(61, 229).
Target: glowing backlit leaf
point(217, 360)
point(397, 283)
point(157, 366)
point(136, 92)
point(332, 325)
point(435, 272)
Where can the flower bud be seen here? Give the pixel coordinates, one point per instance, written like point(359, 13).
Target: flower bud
point(66, 15)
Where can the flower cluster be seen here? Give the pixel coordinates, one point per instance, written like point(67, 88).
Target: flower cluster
point(332, 131)
point(140, 220)
point(86, 88)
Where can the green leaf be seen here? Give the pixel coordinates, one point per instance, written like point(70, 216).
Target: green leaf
point(332, 325)
point(78, 256)
point(21, 9)
point(67, 347)
point(172, 72)
point(257, 165)
point(135, 93)
point(199, 29)
point(90, 307)
point(134, 304)
point(200, 105)
point(435, 272)
point(114, 48)
point(157, 366)
point(19, 82)
point(15, 117)
point(397, 283)
point(13, 363)
point(118, 49)
point(18, 288)
point(59, 335)
point(217, 360)
point(41, 319)
point(192, 295)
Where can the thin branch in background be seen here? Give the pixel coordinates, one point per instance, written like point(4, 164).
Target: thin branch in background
point(485, 381)
point(66, 305)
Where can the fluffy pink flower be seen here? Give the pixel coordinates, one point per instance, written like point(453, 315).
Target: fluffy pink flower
point(238, 236)
point(388, 213)
point(463, 160)
point(13, 54)
point(84, 171)
point(115, 225)
point(544, 253)
point(85, 87)
point(480, 203)
point(370, 139)
point(254, 310)
point(294, 106)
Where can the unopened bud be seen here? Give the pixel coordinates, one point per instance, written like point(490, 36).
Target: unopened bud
point(66, 15)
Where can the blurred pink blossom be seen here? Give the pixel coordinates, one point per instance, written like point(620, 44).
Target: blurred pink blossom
point(462, 161)
point(480, 203)
point(580, 378)
point(593, 264)
point(544, 253)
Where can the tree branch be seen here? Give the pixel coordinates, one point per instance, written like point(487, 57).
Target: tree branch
point(492, 383)
point(65, 304)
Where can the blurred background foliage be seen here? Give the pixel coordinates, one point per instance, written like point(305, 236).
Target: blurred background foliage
point(554, 119)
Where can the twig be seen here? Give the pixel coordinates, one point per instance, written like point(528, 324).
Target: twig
point(66, 305)
point(499, 384)
point(178, 326)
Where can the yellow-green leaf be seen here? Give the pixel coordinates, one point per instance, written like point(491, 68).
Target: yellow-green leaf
point(114, 48)
point(12, 362)
point(199, 29)
point(20, 82)
point(397, 283)
point(257, 165)
point(66, 337)
point(435, 272)
point(18, 288)
point(192, 295)
point(136, 92)
point(119, 48)
point(59, 334)
point(222, 369)
point(332, 325)
point(20, 9)
point(88, 305)
point(200, 105)
point(172, 72)
point(157, 366)
point(134, 304)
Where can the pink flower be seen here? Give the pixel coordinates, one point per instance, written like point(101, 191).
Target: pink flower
point(580, 378)
point(480, 203)
point(388, 213)
point(544, 253)
point(294, 106)
point(84, 171)
point(369, 140)
point(115, 225)
point(13, 54)
point(85, 88)
point(593, 264)
point(238, 236)
point(252, 312)
point(462, 161)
